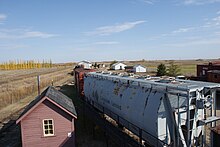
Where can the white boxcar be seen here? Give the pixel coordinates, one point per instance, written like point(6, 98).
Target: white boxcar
point(163, 112)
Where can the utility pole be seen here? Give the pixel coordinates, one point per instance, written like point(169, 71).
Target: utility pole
point(38, 84)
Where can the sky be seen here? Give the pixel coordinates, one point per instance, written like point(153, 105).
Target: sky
point(106, 30)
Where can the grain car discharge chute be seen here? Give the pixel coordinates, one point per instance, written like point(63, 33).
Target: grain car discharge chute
point(162, 112)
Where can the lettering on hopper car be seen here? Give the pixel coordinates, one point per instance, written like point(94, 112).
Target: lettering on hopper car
point(106, 100)
point(116, 106)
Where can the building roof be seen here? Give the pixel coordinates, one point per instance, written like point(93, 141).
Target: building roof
point(118, 63)
point(84, 61)
point(54, 96)
point(214, 71)
point(139, 65)
point(214, 63)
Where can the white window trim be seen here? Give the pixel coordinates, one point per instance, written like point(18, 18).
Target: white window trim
point(44, 128)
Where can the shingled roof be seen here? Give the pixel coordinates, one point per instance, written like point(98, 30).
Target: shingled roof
point(56, 96)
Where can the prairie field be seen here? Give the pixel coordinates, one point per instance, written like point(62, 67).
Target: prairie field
point(20, 86)
point(17, 85)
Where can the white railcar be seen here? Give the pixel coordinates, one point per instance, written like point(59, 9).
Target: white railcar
point(165, 112)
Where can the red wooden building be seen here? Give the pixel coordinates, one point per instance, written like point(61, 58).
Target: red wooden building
point(48, 121)
point(203, 69)
point(213, 76)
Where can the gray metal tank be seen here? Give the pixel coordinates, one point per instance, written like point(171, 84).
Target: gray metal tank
point(165, 110)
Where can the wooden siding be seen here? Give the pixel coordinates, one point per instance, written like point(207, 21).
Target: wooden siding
point(32, 127)
point(203, 69)
point(213, 77)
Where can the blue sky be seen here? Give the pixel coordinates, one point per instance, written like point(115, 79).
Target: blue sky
point(100, 30)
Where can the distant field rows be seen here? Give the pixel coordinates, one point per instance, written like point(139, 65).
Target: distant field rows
point(18, 84)
point(11, 75)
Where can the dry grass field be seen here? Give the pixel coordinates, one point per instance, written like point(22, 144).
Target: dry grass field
point(19, 87)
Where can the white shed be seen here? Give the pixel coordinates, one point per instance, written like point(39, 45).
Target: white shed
point(85, 64)
point(139, 68)
point(118, 66)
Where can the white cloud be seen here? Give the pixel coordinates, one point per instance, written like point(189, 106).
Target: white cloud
point(217, 33)
point(106, 43)
point(213, 23)
point(151, 2)
point(23, 33)
point(13, 46)
point(182, 30)
point(199, 2)
point(2, 18)
point(108, 30)
point(172, 33)
point(199, 42)
point(33, 34)
point(216, 20)
point(147, 2)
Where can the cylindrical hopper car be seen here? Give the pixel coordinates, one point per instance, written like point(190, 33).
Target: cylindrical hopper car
point(161, 111)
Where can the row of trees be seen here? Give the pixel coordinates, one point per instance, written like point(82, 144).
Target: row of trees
point(172, 70)
point(30, 64)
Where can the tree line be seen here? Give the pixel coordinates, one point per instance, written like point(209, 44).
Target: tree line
point(25, 64)
point(172, 70)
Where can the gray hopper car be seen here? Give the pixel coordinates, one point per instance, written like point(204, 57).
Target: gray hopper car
point(163, 112)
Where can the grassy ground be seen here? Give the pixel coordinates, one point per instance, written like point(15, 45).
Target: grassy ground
point(16, 85)
point(11, 109)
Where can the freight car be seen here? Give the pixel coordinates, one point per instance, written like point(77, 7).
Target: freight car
point(79, 79)
point(162, 112)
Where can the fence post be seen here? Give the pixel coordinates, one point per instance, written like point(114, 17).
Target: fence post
point(38, 84)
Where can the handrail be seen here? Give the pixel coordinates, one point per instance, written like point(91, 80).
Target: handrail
point(141, 131)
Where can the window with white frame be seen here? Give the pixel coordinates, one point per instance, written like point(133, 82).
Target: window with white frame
point(48, 127)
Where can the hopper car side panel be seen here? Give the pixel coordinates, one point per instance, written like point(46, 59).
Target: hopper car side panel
point(133, 103)
point(166, 114)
